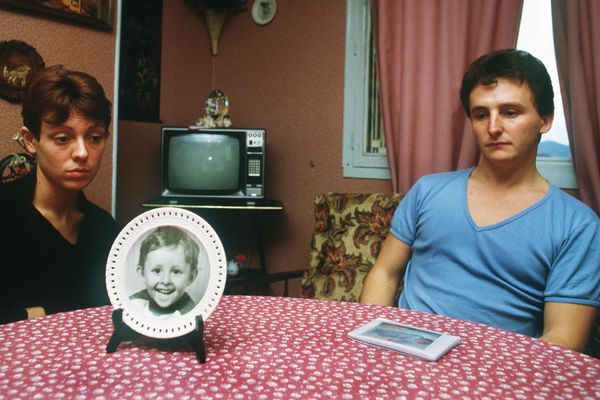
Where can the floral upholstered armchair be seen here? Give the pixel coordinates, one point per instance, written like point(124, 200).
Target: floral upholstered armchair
point(348, 235)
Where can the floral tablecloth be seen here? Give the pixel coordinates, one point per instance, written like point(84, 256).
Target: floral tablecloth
point(284, 348)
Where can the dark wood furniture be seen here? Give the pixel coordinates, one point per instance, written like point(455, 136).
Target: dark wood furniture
point(216, 211)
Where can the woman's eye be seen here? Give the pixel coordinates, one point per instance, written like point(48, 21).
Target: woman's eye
point(511, 113)
point(96, 138)
point(61, 139)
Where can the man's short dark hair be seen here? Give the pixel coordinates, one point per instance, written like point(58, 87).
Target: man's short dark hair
point(54, 93)
point(512, 64)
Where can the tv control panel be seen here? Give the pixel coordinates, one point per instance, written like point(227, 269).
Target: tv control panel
point(255, 139)
point(255, 147)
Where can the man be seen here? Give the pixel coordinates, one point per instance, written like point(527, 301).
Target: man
point(497, 243)
point(54, 242)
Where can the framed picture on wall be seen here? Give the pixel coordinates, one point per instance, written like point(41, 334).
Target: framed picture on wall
point(93, 13)
point(140, 60)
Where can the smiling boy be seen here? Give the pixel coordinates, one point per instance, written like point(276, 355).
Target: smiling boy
point(497, 243)
point(167, 265)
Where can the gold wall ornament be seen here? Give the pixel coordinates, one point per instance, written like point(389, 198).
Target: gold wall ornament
point(214, 23)
point(215, 13)
point(18, 63)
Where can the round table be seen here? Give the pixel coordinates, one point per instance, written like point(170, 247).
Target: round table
point(284, 348)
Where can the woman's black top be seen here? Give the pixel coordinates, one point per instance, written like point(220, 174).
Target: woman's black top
point(39, 267)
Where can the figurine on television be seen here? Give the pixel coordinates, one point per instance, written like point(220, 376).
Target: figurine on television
point(216, 111)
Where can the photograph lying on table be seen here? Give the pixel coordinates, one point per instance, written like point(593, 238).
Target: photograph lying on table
point(406, 339)
point(166, 267)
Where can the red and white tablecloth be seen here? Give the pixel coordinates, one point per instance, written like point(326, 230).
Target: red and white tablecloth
point(284, 348)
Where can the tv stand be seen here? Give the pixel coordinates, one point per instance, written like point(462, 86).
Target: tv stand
point(214, 208)
point(214, 203)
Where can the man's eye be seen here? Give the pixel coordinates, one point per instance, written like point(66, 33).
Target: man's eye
point(511, 113)
point(480, 116)
point(155, 270)
point(177, 272)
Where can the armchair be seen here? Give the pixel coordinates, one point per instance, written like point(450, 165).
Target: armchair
point(348, 235)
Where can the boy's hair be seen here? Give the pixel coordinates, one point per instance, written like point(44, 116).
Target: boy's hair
point(167, 236)
point(514, 64)
point(54, 93)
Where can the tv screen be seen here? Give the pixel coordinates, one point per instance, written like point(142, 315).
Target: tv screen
point(201, 162)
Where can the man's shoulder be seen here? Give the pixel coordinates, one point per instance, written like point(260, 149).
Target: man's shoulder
point(445, 176)
point(574, 208)
point(441, 179)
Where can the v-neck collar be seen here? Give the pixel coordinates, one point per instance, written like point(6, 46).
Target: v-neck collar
point(467, 212)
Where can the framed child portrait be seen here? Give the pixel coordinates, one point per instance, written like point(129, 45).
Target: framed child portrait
point(166, 267)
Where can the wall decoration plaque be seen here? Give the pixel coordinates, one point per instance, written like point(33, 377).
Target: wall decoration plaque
point(18, 62)
point(165, 268)
point(93, 13)
point(263, 11)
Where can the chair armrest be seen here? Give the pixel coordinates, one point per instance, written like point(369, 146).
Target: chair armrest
point(283, 276)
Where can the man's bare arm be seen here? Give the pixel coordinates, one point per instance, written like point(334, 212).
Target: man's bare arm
point(568, 325)
point(382, 282)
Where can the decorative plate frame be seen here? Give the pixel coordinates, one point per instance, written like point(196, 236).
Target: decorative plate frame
point(263, 11)
point(206, 290)
point(18, 63)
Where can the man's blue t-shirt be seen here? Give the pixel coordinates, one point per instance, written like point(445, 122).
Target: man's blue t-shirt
point(501, 274)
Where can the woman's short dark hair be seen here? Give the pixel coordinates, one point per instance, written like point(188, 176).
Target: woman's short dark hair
point(515, 64)
point(54, 93)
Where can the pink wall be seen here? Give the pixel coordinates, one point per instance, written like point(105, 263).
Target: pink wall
point(286, 77)
point(77, 48)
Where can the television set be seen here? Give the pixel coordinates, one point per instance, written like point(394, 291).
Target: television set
point(219, 163)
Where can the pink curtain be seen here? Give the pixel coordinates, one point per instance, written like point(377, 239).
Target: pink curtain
point(577, 41)
point(423, 50)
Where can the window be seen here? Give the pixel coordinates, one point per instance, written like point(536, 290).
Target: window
point(535, 36)
point(364, 153)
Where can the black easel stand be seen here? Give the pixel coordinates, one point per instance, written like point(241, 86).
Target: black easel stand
point(123, 333)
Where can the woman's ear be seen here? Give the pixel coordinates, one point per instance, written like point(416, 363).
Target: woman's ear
point(29, 141)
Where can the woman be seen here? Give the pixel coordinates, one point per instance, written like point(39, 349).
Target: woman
point(54, 242)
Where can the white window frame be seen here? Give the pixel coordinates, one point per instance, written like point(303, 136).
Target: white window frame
point(357, 164)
